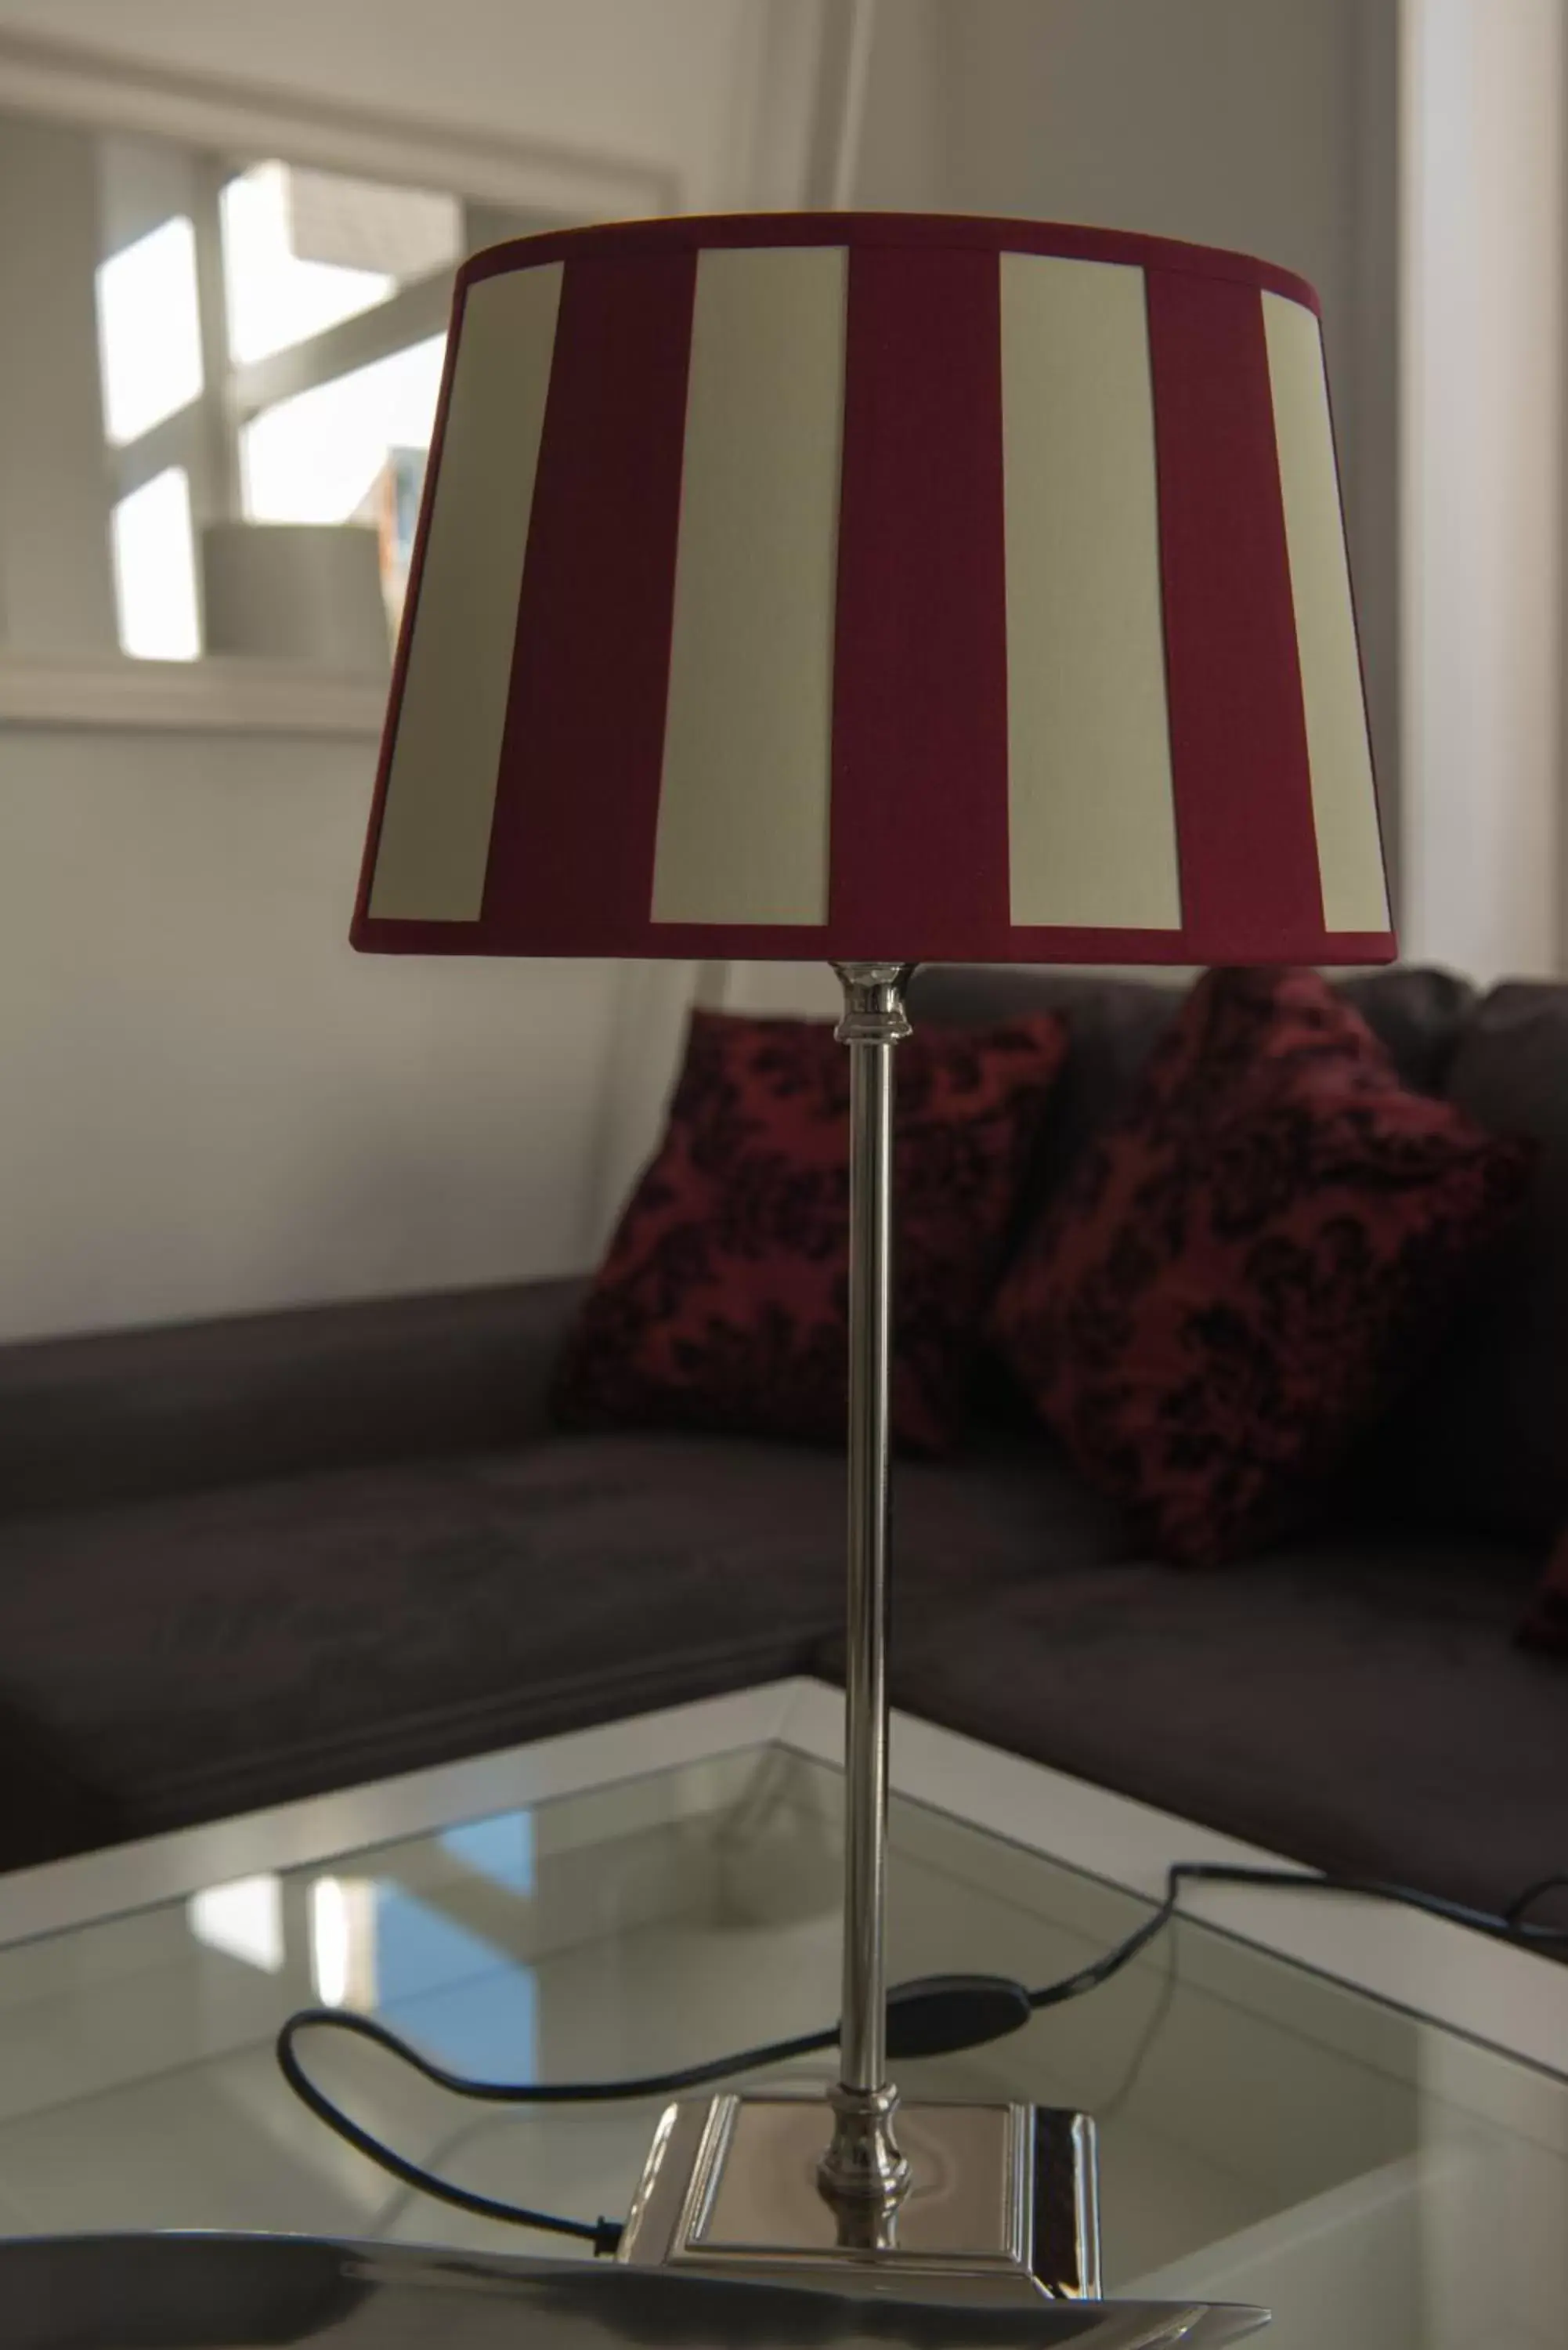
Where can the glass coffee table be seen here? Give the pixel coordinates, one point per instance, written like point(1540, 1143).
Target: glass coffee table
point(1353, 2114)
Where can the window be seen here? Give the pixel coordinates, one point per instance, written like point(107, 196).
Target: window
point(276, 295)
point(271, 342)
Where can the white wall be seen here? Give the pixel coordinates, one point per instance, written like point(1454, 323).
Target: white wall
point(211, 1102)
point(1484, 321)
point(55, 586)
point(900, 143)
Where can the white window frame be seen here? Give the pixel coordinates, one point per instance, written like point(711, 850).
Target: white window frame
point(205, 436)
point(95, 92)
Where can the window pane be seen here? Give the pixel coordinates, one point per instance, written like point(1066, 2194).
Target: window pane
point(276, 298)
point(155, 571)
point(324, 455)
point(150, 335)
point(304, 250)
point(404, 233)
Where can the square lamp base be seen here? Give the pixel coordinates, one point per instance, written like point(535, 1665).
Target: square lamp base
point(1001, 2204)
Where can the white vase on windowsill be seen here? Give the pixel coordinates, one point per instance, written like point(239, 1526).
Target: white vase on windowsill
point(297, 592)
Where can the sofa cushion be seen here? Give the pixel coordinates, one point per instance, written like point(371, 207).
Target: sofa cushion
point(1355, 1707)
point(212, 1653)
point(1113, 1025)
point(724, 1301)
point(1418, 1015)
point(1244, 1272)
point(1490, 1427)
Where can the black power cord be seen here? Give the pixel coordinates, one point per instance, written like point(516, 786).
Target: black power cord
point(937, 2015)
point(604, 2235)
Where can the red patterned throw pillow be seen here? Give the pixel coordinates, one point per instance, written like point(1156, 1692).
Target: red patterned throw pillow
point(1546, 1624)
point(1240, 1276)
point(724, 1301)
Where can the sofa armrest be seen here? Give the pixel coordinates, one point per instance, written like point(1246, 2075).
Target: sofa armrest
point(130, 1414)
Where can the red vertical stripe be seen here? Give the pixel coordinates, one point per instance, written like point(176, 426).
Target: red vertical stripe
point(571, 851)
point(1245, 836)
point(919, 765)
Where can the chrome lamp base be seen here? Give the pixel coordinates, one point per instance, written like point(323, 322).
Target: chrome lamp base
point(1000, 2205)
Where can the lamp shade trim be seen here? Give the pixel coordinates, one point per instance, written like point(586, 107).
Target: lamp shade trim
point(908, 232)
point(1006, 564)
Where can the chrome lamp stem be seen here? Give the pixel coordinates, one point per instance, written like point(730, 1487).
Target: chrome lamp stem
point(940, 2202)
point(863, 2173)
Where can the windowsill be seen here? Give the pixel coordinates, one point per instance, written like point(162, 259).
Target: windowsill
point(212, 696)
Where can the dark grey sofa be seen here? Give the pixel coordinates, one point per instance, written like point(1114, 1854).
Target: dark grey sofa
point(248, 1560)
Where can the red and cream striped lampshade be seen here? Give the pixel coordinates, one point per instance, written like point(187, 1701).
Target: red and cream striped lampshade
point(879, 587)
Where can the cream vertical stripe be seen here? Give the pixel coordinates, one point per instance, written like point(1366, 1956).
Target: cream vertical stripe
point(744, 810)
point(1090, 797)
point(1343, 798)
point(441, 794)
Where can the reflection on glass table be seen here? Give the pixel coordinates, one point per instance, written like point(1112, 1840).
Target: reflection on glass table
point(1266, 2133)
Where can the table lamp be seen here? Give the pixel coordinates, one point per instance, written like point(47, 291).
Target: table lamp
point(882, 590)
